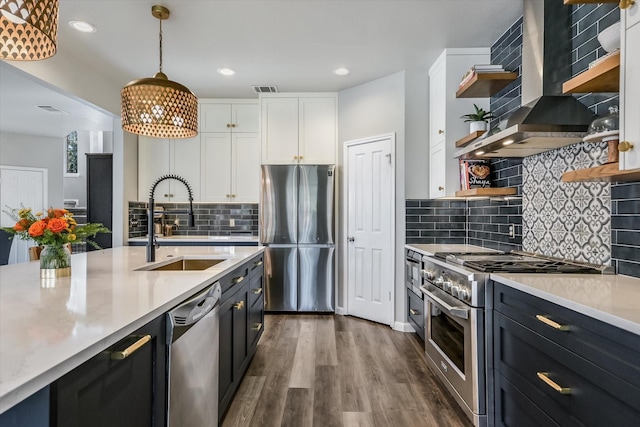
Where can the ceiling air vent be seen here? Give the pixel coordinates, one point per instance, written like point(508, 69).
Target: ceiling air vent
point(265, 89)
point(53, 110)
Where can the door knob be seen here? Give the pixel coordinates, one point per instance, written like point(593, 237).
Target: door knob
point(440, 188)
point(440, 131)
point(351, 239)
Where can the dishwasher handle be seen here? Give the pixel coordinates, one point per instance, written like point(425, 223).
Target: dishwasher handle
point(194, 309)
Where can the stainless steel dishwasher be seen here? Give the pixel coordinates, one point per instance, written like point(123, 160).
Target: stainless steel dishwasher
point(193, 330)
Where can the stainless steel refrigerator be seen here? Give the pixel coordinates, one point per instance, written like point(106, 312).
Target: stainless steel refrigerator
point(297, 228)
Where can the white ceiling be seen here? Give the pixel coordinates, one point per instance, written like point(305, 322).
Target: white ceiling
point(292, 44)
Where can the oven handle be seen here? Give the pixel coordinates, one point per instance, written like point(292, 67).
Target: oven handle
point(457, 311)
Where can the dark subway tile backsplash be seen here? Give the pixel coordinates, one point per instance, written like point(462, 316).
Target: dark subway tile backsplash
point(211, 219)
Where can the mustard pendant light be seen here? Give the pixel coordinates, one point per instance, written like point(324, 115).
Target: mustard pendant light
point(28, 29)
point(156, 106)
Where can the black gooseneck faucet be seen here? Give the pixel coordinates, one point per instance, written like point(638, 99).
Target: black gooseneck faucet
point(151, 244)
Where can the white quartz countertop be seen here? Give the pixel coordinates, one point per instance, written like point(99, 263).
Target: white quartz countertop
point(613, 299)
point(49, 328)
point(433, 248)
point(221, 239)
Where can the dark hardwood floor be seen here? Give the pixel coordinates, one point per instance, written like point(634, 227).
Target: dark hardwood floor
point(326, 370)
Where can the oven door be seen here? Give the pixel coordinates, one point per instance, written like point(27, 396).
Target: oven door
point(454, 344)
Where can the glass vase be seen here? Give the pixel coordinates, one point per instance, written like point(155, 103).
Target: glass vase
point(55, 261)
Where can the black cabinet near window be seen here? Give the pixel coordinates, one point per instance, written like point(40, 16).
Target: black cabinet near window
point(100, 196)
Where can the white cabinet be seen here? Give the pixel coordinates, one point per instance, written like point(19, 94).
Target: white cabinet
point(226, 115)
point(230, 165)
point(299, 128)
point(630, 87)
point(160, 156)
point(445, 110)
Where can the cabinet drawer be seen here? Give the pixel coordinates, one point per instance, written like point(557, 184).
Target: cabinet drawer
point(256, 266)
point(256, 289)
point(593, 396)
point(514, 409)
point(415, 312)
point(611, 348)
point(228, 282)
point(256, 321)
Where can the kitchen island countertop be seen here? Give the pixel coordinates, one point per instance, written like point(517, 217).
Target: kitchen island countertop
point(47, 328)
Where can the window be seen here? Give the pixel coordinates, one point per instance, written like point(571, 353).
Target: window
point(71, 154)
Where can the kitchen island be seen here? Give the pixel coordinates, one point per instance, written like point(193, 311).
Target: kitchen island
point(48, 328)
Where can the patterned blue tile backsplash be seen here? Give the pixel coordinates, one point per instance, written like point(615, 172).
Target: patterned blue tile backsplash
point(591, 222)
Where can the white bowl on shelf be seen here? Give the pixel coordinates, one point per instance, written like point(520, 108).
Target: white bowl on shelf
point(609, 38)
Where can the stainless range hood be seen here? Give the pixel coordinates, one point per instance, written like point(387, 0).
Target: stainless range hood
point(547, 119)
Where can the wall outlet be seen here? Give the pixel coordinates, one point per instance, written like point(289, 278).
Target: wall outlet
point(232, 222)
point(512, 231)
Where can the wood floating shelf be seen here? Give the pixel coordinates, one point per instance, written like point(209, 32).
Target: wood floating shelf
point(467, 139)
point(609, 172)
point(484, 85)
point(487, 192)
point(603, 77)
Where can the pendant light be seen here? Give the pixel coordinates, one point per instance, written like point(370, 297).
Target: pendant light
point(157, 106)
point(28, 29)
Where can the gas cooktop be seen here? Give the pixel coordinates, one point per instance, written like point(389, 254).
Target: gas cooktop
point(521, 262)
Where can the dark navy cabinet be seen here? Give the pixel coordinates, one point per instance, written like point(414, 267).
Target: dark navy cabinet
point(554, 366)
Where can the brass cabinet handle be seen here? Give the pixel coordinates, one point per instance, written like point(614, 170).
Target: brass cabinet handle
point(440, 188)
point(120, 355)
point(233, 195)
point(295, 157)
point(625, 146)
point(228, 195)
point(626, 3)
point(237, 280)
point(549, 322)
point(233, 125)
point(257, 263)
point(413, 312)
point(300, 157)
point(238, 305)
point(257, 291)
point(544, 376)
point(440, 131)
point(257, 326)
point(228, 125)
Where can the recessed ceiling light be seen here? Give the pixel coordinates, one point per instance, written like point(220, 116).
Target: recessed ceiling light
point(341, 71)
point(226, 71)
point(83, 26)
point(479, 153)
point(508, 142)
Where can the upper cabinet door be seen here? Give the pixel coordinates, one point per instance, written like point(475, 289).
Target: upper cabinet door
point(318, 130)
point(245, 118)
point(279, 131)
point(437, 104)
point(630, 90)
point(153, 162)
point(215, 118)
point(245, 168)
point(185, 162)
point(215, 157)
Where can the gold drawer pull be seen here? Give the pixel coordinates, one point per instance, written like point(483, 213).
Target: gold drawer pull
point(257, 326)
point(257, 291)
point(414, 312)
point(237, 280)
point(257, 263)
point(549, 322)
point(625, 146)
point(238, 305)
point(120, 355)
point(554, 385)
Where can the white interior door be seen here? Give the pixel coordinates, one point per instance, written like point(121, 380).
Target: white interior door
point(370, 205)
point(21, 187)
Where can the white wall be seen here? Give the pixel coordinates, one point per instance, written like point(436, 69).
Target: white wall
point(37, 152)
point(375, 108)
point(417, 134)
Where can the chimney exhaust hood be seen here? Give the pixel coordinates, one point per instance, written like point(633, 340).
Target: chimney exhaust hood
point(547, 119)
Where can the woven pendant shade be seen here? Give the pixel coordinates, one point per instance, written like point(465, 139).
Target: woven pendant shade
point(28, 29)
point(160, 108)
point(156, 106)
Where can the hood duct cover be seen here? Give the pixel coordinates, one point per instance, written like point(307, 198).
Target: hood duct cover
point(548, 119)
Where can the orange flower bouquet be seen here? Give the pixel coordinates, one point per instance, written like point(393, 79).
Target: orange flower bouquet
point(52, 230)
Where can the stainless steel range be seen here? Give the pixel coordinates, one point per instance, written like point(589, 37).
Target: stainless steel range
point(454, 305)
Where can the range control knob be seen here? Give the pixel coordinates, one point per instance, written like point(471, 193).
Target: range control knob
point(454, 290)
point(428, 274)
point(446, 285)
point(464, 294)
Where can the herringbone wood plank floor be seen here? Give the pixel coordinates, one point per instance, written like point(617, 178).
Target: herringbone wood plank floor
point(328, 370)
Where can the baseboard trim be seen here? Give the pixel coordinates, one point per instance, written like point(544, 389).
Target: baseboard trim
point(403, 327)
point(340, 311)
